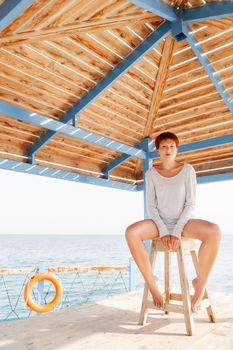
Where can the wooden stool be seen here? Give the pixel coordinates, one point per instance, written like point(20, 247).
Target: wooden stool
point(184, 297)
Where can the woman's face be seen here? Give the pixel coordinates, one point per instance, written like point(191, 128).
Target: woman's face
point(167, 149)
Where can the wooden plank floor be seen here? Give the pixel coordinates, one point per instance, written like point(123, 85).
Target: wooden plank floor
point(113, 324)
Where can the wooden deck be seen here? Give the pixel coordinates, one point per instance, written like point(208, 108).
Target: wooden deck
point(113, 324)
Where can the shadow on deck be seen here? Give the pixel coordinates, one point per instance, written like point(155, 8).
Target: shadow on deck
point(113, 324)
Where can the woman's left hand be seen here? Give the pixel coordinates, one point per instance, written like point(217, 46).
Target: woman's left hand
point(174, 242)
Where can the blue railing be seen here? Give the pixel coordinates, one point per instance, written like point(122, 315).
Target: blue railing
point(80, 286)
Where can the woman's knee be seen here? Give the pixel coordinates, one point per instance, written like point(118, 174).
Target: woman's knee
point(131, 232)
point(216, 232)
point(143, 230)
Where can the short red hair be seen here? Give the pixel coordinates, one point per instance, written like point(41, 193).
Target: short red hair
point(165, 136)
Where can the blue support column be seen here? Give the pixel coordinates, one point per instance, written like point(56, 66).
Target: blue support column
point(147, 163)
point(146, 46)
point(177, 27)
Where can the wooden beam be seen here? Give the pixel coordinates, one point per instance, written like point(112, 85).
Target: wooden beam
point(74, 29)
point(160, 83)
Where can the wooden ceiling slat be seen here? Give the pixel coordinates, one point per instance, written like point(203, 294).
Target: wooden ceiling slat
point(195, 123)
point(183, 89)
point(134, 96)
point(12, 144)
point(188, 96)
point(219, 54)
point(64, 151)
point(11, 135)
point(20, 125)
point(50, 155)
point(224, 63)
point(223, 163)
point(80, 152)
point(198, 136)
point(119, 109)
point(46, 77)
point(25, 103)
point(217, 42)
point(32, 93)
point(88, 125)
point(186, 105)
point(27, 16)
point(147, 79)
point(122, 101)
point(84, 75)
point(192, 112)
point(118, 119)
point(182, 57)
point(110, 124)
point(92, 148)
point(198, 158)
point(187, 68)
point(24, 136)
point(9, 76)
point(189, 79)
point(189, 120)
point(58, 32)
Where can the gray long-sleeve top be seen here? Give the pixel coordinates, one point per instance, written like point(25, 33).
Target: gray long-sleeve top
point(171, 200)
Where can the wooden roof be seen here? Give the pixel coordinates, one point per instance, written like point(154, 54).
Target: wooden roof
point(56, 52)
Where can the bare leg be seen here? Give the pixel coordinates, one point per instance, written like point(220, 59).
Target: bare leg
point(135, 236)
point(210, 236)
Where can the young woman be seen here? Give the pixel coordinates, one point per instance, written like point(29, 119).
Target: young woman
point(170, 194)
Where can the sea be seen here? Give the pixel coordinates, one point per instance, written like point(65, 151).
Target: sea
point(23, 251)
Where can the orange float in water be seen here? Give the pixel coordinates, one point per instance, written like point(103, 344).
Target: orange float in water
point(28, 292)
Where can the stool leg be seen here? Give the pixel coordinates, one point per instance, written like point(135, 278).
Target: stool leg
point(144, 307)
point(209, 309)
point(167, 263)
point(185, 292)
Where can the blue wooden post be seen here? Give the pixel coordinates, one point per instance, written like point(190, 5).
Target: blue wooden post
point(147, 163)
point(132, 271)
point(40, 288)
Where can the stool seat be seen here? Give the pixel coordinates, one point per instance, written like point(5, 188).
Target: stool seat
point(184, 307)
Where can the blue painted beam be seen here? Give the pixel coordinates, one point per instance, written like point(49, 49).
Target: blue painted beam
point(54, 125)
point(215, 178)
point(217, 141)
point(208, 68)
point(116, 162)
point(157, 7)
point(147, 45)
point(205, 179)
point(11, 9)
point(213, 10)
point(63, 175)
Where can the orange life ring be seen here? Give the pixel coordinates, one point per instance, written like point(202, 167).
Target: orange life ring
point(28, 292)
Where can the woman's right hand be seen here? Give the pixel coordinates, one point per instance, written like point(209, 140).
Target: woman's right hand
point(166, 241)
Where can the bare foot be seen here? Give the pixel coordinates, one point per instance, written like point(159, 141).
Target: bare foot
point(157, 297)
point(198, 295)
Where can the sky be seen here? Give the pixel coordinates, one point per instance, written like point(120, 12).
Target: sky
point(32, 204)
